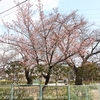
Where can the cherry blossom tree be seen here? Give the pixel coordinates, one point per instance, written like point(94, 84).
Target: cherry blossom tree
point(87, 53)
point(49, 40)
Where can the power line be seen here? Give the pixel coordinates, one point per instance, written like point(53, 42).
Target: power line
point(8, 14)
point(13, 7)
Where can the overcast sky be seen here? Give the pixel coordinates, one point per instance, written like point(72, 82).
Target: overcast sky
point(88, 8)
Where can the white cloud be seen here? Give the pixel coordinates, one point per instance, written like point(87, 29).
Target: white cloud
point(49, 4)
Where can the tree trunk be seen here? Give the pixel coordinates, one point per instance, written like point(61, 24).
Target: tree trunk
point(28, 77)
point(47, 79)
point(78, 78)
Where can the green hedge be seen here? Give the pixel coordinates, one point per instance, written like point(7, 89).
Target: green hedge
point(3, 82)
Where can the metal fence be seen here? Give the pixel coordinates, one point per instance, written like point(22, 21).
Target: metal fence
point(36, 92)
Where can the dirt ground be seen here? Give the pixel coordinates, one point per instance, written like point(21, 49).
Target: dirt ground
point(95, 94)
